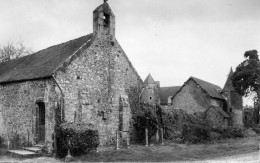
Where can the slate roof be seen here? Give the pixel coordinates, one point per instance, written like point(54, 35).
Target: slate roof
point(211, 89)
point(165, 92)
point(228, 85)
point(149, 80)
point(41, 64)
point(221, 111)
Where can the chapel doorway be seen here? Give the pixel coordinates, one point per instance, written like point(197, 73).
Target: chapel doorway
point(41, 122)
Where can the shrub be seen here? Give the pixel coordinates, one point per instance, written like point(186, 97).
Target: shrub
point(1, 141)
point(146, 116)
point(194, 133)
point(256, 128)
point(233, 133)
point(79, 137)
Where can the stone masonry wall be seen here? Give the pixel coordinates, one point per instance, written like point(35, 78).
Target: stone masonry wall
point(18, 109)
point(93, 84)
point(236, 101)
point(191, 99)
point(215, 119)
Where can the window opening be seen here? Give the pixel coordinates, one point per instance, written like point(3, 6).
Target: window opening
point(106, 20)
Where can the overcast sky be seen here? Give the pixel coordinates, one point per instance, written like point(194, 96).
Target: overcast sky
point(171, 39)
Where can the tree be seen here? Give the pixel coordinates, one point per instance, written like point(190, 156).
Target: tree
point(246, 79)
point(12, 51)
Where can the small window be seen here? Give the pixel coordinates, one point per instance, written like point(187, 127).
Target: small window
point(230, 110)
point(106, 20)
point(150, 98)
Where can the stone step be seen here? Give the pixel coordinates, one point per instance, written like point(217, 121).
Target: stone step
point(33, 149)
point(39, 145)
point(23, 153)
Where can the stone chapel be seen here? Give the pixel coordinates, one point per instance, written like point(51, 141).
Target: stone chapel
point(84, 79)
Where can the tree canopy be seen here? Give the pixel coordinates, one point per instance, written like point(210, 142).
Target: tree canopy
point(246, 78)
point(13, 50)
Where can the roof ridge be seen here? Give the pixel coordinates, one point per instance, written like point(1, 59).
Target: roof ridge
point(43, 63)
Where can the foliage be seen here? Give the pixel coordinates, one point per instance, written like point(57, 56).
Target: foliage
point(143, 114)
point(79, 137)
point(13, 51)
point(246, 78)
point(230, 132)
point(147, 117)
point(1, 141)
point(194, 133)
point(256, 128)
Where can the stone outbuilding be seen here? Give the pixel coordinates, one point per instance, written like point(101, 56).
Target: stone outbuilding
point(80, 80)
point(202, 98)
point(197, 95)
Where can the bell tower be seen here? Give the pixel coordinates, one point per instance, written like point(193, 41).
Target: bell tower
point(103, 21)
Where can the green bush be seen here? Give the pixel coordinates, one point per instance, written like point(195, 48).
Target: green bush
point(79, 137)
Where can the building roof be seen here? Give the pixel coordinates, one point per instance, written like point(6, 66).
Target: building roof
point(41, 64)
point(149, 80)
point(105, 8)
point(219, 110)
point(211, 89)
point(165, 92)
point(228, 85)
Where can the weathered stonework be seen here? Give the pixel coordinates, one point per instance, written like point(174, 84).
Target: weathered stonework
point(18, 104)
point(93, 85)
point(191, 99)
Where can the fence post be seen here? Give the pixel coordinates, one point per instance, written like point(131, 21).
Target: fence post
point(117, 140)
point(146, 137)
point(68, 157)
point(128, 140)
point(162, 136)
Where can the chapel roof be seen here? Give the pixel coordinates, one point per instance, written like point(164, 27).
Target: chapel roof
point(41, 64)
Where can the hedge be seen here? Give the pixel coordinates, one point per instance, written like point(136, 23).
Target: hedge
point(83, 138)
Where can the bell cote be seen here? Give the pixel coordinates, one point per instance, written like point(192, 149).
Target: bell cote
point(103, 21)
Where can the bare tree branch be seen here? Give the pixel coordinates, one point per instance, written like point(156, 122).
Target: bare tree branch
point(13, 50)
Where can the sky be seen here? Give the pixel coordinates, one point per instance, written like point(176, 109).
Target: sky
point(171, 39)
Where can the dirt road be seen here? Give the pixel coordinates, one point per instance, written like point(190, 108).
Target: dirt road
point(253, 157)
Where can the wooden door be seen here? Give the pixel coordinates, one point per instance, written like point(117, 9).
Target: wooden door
point(41, 123)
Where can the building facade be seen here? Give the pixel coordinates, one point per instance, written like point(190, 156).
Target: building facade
point(85, 79)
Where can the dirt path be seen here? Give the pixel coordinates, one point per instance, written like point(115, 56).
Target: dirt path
point(253, 157)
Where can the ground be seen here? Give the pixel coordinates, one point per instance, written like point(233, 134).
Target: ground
point(229, 150)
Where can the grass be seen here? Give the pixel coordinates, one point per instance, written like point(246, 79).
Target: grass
point(170, 152)
point(175, 152)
